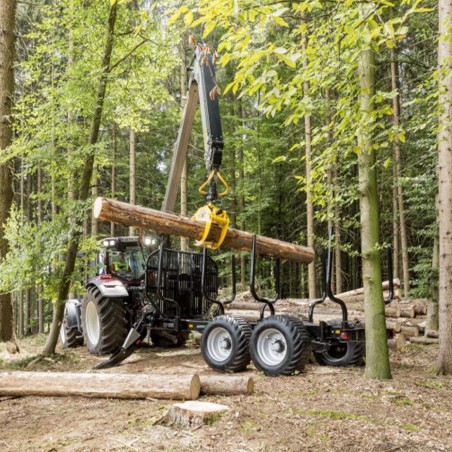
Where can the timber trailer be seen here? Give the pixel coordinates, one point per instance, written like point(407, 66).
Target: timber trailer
point(179, 288)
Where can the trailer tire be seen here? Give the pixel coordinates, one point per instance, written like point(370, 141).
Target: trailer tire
point(225, 344)
point(280, 345)
point(104, 322)
point(341, 354)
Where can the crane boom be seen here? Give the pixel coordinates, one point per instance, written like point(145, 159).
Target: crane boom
point(201, 89)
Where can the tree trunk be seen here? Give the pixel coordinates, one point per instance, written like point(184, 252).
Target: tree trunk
point(309, 204)
point(398, 176)
point(377, 358)
point(88, 166)
point(7, 57)
point(445, 186)
point(432, 310)
point(132, 172)
point(169, 223)
point(39, 287)
point(242, 194)
point(121, 386)
point(113, 171)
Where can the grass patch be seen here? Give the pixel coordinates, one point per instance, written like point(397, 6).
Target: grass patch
point(432, 384)
point(20, 364)
point(339, 415)
point(410, 427)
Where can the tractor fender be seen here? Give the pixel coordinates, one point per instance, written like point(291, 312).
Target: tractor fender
point(111, 288)
point(72, 314)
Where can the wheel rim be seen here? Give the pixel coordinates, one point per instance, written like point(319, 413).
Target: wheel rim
point(219, 344)
point(92, 323)
point(271, 347)
point(63, 333)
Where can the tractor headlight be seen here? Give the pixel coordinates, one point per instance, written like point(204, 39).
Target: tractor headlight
point(148, 241)
point(105, 243)
point(112, 243)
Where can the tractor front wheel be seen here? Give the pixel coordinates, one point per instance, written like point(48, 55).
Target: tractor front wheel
point(104, 322)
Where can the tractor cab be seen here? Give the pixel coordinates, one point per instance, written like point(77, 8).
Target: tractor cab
point(125, 257)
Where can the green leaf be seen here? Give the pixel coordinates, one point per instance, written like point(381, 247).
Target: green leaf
point(209, 28)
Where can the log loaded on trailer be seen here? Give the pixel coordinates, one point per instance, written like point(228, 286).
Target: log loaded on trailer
point(180, 288)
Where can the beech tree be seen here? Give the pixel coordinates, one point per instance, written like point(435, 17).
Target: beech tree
point(445, 186)
point(7, 57)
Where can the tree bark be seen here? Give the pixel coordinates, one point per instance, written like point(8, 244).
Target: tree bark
point(308, 158)
point(226, 385)
point(132, 171)
point(398, 174)
point(88, 166)
point(7, 57)
point(120, 386)
point(168, 223)
point(445, 186)
point(113, 170)
point(377, 357)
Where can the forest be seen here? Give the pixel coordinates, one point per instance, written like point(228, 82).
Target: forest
point(336, 180)
point(336, 116)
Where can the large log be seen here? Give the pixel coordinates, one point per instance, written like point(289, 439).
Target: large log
point(169, 223)
point(360, 290)
point(120, 386)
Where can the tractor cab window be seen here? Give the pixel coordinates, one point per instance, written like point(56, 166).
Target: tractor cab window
point(129, 263)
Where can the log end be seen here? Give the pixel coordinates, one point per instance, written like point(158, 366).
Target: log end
point(195, 387)
point(98, 206)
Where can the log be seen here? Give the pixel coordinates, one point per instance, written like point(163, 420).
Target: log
point(424, 340)
point(397, 343)
point(392, 311)
point(169, 223)
point(407, 311)
point(420, 307)
point(432, 334)
point(409, 331)
point(226, 385)
point(120, 386)
point(393, 325)
point(360, 290)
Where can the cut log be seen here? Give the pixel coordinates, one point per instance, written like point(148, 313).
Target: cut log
point(432, 334)
point(359, 298)
point(168, 223)
point(360, 290)
point(392, 311)
point(226, 385)
point(420, 307)
point(409, 331)
point(397, 343)
point(120, 386)
point(393, 325)
point(424, 340)
point(407, 311)
point(193, 412)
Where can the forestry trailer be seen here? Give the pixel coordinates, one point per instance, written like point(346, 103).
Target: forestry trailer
point(178, 289)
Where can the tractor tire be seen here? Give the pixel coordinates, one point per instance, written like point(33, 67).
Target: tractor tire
point(70, 337)
point(342, 354)
point(104, 322)
point(280, 345)
point(225, 344)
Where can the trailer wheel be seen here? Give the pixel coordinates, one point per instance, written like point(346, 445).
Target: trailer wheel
point(341, 354)
point(225, 344)
point(280, 345)
point(104, 322)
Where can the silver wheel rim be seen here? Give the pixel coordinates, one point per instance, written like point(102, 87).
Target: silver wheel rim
point(219, 344)
point(271, 347)
point(63, 333)
point(92, 323)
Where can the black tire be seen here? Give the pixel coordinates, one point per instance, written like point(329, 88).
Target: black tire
point(70, 337)
point(225, 344)
point(280, 345)
point(104, 322)
point(342, 354)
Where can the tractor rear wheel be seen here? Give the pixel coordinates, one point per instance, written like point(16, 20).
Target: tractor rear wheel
point(280, 345)
point(225, 344)
point(341, 354)
point(104, 322)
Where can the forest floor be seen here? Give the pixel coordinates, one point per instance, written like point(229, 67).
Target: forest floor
point(322, 409)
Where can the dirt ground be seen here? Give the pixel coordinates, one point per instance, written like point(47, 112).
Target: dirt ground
point(322, 409)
